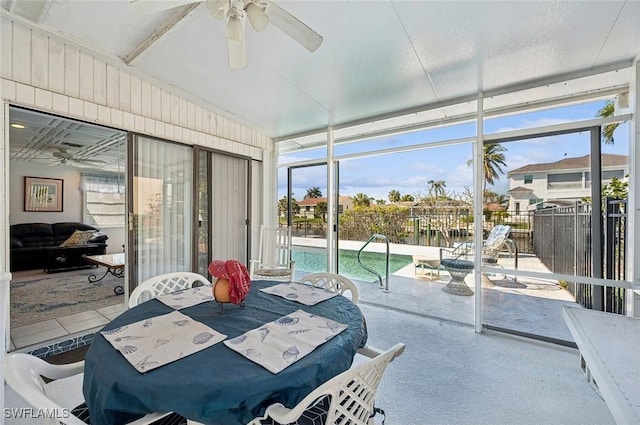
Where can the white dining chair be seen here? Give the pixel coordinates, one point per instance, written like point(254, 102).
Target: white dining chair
point(61, 397)
point(345, 398)
point(165, 284)
point(340, 284)
point(333, 282)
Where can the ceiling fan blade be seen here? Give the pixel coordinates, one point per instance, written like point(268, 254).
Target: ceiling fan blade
point(146, 7)
point(89, 161)
point(218, 8)
point(293, 27)
point(237, 50)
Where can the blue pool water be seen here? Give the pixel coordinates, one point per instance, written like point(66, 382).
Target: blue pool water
point(313, 261)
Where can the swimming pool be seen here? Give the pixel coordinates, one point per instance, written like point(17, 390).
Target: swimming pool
point(312, 261)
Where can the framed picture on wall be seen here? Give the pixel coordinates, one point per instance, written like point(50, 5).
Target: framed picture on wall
point(43, 194)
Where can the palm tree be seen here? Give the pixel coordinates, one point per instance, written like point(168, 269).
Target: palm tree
point(394, 196)
point(313, 192)
point(361, 200)
point(436, 188)
point(321, 211)
point(283, 205)
point(407, 198)
point(492, 160)
point(607, 131)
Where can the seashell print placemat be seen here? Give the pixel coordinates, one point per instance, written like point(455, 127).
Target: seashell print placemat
point(159, 340)
point(278, 344)
point(299, 292)
point(187, 297)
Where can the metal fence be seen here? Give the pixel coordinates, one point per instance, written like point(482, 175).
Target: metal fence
point(563, 241)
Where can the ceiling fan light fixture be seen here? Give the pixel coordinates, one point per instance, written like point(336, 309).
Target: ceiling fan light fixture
point(257, 17)
point(235, 29)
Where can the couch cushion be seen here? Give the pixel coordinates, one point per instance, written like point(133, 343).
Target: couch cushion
point(33, 234)
point(78, 237)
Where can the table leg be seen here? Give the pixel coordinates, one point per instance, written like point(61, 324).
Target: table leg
point(457, 285)
point(119, 290)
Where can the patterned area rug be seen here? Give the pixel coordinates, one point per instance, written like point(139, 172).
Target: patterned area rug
point(37, 296)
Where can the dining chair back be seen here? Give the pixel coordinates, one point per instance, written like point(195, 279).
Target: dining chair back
point(61, 400)
point(333, 282)
point(274, 255)
point(346, 398)
point(165, 284)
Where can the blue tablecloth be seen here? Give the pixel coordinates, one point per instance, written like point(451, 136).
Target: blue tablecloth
point(217, 385)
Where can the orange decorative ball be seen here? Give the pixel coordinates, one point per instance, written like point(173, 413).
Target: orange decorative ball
point(221, 290)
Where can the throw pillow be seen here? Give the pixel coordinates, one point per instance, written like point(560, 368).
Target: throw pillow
point(98, 237)
point(79, 237)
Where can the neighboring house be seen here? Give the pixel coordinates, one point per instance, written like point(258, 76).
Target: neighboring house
point(561, 182)
point(308, 206)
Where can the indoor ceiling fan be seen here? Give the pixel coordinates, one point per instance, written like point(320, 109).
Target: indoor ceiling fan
point(65, 157)
point(259, 12)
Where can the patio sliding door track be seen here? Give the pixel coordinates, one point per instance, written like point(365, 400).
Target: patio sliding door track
point(372, 238)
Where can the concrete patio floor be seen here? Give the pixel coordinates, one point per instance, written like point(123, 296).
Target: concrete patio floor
point(450, 375)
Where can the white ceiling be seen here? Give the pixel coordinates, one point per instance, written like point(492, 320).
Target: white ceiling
point(378, 57)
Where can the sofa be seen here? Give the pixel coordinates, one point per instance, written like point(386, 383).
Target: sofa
point(51, 246)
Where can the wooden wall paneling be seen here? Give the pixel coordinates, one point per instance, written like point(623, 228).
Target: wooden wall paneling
point(90, 110)
point(21, 55)
point(60, 103)
point(198, 118)
point(6, 50)
point(165, 105)
point(86, 77)
point(71, 71)
point(44, 99)
point(125, 92)
point(156, 103)
point(136, 95)
point(183, 113)
point(175, 110)
point(99, 82)
point(39, 60)
point(25, 94)
point(113, 87)
point(145, 94)
point(191, 115)
point(76, 107)
point(56, 66)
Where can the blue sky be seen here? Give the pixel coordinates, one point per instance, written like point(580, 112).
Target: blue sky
point(409, 172)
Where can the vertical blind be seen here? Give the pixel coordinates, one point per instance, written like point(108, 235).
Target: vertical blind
point(162, 205)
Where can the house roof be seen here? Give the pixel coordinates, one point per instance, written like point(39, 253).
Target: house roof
point(316, 201)
point(582, 162)
point(520, 189)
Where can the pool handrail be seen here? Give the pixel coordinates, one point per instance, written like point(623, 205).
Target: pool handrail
point(372, 238)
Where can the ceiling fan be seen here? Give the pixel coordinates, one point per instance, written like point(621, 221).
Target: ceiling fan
point(259, 12)
point(65, 157)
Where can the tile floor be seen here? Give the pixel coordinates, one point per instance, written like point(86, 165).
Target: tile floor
point(35, 334)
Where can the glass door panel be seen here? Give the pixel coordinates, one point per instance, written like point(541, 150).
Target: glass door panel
point(161, 208)
point(307, 214)
point(557, 218)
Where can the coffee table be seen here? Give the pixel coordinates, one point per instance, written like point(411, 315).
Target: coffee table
point(115, 267)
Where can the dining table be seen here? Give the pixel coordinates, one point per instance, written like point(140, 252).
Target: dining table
point(217, 385)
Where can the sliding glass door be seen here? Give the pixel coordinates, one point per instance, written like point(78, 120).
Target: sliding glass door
point(223, 208)
point(161, 205)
